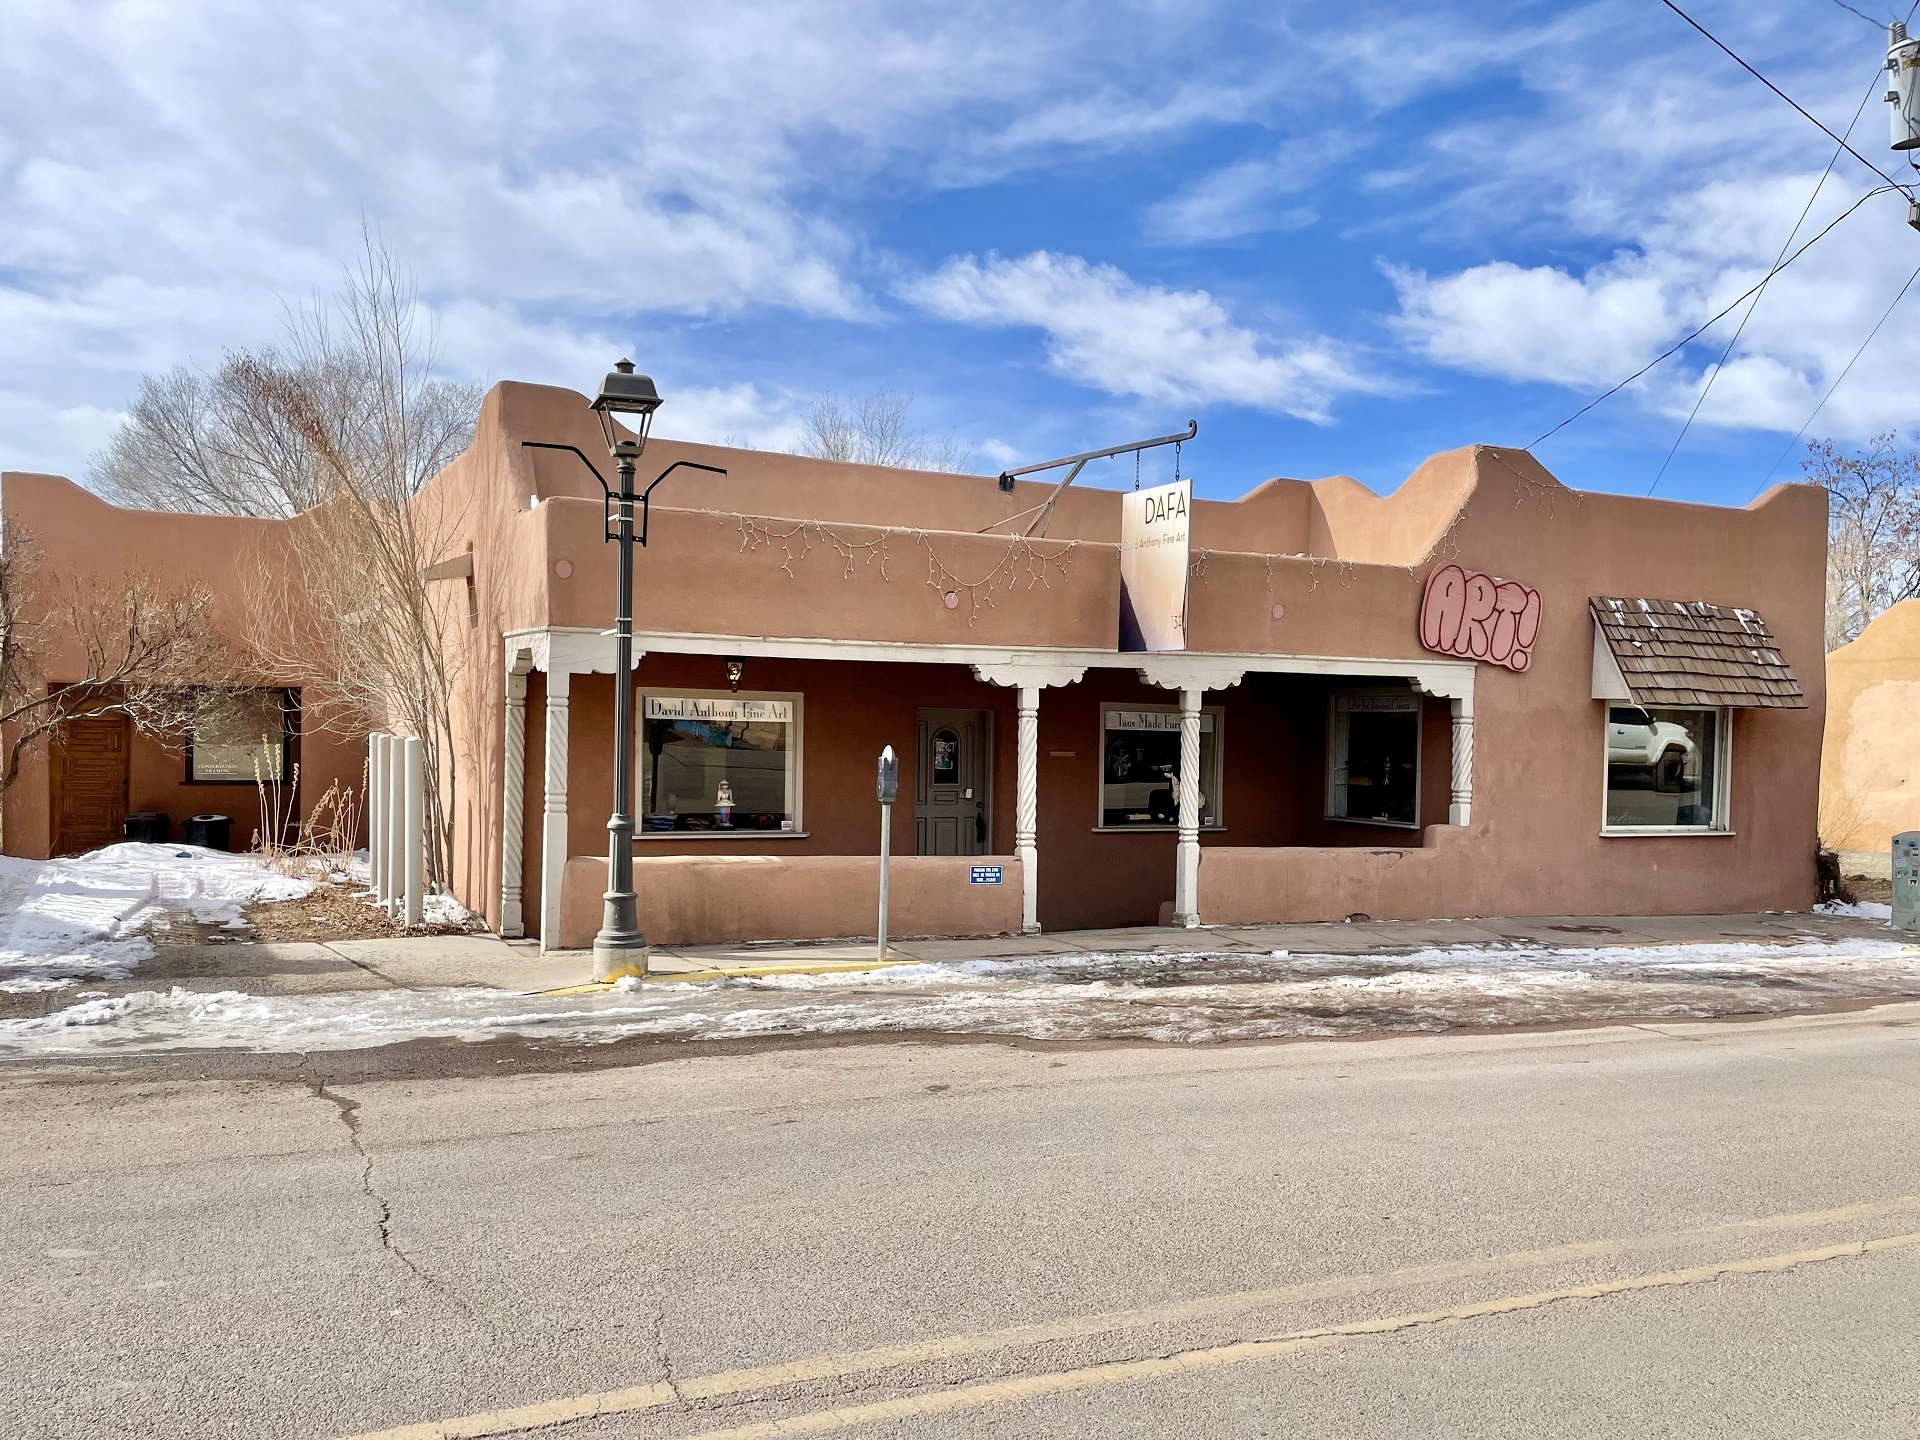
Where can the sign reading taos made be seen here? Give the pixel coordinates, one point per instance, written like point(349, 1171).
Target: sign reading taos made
point(724, 710)
point(1479, 617)
point(1153, 567)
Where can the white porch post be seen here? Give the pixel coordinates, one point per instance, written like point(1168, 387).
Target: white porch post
point(377, 814)
point(1028, 678)
point(1186, 878)
point(513, 807)
point(553, 834)
point(1026, 809)
point(1460, 812)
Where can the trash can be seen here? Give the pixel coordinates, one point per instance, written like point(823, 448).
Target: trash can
point(152, 826)
point(212, 831)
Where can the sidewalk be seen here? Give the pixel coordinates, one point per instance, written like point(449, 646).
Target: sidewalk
point(425, 962)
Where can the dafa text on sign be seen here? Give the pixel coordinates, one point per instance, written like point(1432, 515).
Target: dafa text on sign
point(1153, 567)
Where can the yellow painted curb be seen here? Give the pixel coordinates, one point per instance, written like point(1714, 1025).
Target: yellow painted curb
point(739, 972)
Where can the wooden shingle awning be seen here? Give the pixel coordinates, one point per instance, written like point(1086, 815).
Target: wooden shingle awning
point(1687, 652)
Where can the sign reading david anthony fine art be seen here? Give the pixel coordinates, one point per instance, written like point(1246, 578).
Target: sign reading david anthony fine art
point(1153, 567)
point(1479, 617)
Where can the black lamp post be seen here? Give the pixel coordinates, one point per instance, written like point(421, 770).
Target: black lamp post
point(620, 949)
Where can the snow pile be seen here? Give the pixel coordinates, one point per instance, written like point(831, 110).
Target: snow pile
point(83, 917)
point(1856, 910)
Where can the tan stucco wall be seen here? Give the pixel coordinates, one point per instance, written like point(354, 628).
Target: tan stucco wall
point(1870, 760)
point(1344, 567)
point(704, 899)
point(83, 540)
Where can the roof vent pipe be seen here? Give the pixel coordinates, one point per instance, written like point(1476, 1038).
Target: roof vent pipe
point(1903, 87)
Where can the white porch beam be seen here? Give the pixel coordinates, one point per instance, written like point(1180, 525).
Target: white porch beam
point(1186, 875)
point(553, 833)
point(1029, 678)
point(1460, 811)
point(513, 800)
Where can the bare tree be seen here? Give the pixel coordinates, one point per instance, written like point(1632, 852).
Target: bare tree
point(133, 647)
point(1873, 529)
point(874, 431)
point(204, 442)
point(345, 609)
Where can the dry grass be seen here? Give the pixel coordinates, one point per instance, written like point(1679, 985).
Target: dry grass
point(333, 912)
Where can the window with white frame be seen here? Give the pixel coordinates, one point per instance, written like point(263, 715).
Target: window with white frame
point(1373, 761)
point(719, 763)
point(241, 737)
point(1140, 766)
point(1666, 769)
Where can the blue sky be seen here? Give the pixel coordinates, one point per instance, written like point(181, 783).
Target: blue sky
point(1342, 238)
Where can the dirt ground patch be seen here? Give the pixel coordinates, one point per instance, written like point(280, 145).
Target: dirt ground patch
point(1875, 888)
point(334, 912)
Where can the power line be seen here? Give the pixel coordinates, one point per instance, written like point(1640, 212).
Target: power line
point(1841, 376)
point(1861, 13)
point(1711, 322)
point(1788, 98)
point(1727, 354)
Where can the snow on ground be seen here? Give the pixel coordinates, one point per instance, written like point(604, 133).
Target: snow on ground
point(83, 917)
point(1857, 910)
point(1197, 997)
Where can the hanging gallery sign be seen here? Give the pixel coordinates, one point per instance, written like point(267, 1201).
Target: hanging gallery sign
point(1153, 567)
point(1480, 617)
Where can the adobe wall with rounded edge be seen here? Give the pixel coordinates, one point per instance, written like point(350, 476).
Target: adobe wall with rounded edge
point(1870, 767)
point(85, 540)
point(712, 899)
point(1535, 847)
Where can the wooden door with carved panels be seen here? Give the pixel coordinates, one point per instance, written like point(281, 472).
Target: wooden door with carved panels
point(90, 764)
point(952, 812)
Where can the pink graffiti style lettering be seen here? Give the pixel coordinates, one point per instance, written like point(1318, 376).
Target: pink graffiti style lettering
point(1479, 617)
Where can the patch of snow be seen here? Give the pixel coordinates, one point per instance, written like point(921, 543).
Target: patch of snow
point(83, 917)
point(1858, 910)
point(445, 910)
point(1194, 997)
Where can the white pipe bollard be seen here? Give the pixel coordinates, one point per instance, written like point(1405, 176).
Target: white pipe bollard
point(377, 814)
point(396, 822)
point(413, 856)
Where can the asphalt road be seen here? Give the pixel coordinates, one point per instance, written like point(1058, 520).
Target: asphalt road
point(1686, 1230)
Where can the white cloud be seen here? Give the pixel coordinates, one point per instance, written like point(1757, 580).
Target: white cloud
point(1107, 331)
point(1241, 198)
point(1590, 329)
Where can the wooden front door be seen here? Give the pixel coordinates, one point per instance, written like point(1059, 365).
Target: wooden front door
point(90, 770)
point(950, 783)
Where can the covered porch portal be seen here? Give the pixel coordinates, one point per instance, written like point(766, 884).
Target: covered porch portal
point(1088, 784)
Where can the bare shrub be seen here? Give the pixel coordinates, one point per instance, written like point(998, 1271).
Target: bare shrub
point(1873, 530)
point(874, 431)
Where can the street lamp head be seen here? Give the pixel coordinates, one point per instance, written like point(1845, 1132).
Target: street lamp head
point(625, 393)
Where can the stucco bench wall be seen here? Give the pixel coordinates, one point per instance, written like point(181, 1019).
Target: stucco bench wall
point(711, 899)
point(1242, 885)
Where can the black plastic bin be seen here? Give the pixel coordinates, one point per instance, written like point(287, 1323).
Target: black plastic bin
point(213, 831)
point(152, 826)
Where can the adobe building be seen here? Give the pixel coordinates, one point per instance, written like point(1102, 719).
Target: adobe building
point(1869, 774)
point(1485, 694)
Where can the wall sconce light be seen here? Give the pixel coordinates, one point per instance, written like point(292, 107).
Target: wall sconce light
point(736, 671)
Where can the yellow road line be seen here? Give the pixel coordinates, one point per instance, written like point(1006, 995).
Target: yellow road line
point(848, 1363)
point(1124, 1372)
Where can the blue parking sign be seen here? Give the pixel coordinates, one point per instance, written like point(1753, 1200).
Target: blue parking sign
point(985, 875)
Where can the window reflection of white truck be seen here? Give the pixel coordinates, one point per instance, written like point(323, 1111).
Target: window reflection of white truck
point(1666, 751)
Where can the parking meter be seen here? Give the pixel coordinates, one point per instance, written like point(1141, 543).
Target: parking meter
point(1906, 880)
point(888, 784)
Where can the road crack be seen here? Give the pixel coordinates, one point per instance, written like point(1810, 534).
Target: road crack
point(349, 1112)
point(666, 1361)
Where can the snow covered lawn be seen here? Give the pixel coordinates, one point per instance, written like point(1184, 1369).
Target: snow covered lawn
point(84, 917)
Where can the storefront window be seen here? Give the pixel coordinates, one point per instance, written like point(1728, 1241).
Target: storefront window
point(1140, 767)
point(717, 764)
point(1663, 768)
point(1374, 767)
point(240, 738)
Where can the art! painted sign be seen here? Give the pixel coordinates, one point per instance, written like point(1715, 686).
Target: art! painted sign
point(1153, 567)
point(1480, 617)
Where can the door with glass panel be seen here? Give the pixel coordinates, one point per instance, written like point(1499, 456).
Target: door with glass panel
point(951, 804)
